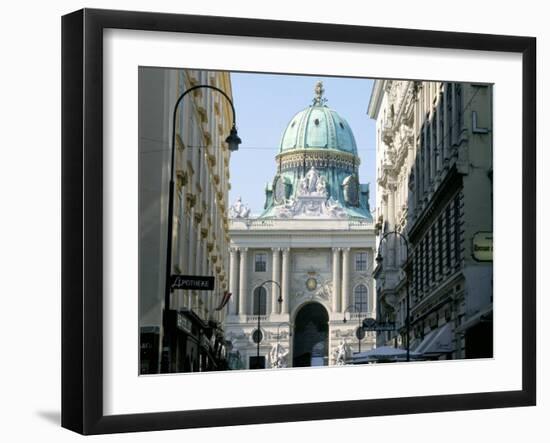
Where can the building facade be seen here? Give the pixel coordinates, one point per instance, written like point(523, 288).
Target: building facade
point(200, 227)
point(434, 186)
point(303, 268)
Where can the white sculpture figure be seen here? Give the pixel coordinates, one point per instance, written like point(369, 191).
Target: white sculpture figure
point(245, 212)
point(312, 176)
point(321, 186)
point(303, 186)
point(278, 356)
point(239, 210)
point(341, 352)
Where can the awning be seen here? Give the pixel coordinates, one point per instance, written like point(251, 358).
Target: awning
point(484, 315)
point(437, 342)
point(383, 353)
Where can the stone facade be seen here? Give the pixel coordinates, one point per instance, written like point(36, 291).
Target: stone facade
point(434, 186)
point(200, 229)
point(314, 261)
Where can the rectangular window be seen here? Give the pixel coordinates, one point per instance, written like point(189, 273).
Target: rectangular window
point(361, 261)
point(440, 244)
point(423, 265)
point(433, 253)
point(417, 287)
point(449, 134)
point(429, 148)
point(260, 262)
point(448, 236)
point(459, 110)
point(457, 229)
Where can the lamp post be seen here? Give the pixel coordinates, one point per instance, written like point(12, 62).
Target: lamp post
point(360, 323)
point(379, 260)
point(279, 300)
point(233, 142)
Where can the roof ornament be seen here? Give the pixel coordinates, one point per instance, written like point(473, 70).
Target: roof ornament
point(239, 209)
point(319, 100)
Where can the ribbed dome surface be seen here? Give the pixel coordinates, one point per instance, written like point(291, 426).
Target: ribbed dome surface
point(318, 127)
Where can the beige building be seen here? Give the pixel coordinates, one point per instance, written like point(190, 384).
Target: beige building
point(315, 240)
point(200, 229)
point(434, 186)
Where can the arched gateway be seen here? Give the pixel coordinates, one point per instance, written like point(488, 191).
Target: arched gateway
point(311, 336)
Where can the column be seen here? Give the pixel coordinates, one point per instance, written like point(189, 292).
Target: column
point(391, 224)
point(345, 278)
point(439, 137)
point(336, 280)
point(233, 280)
point(243, 281)
point(391, 205)
point(285, 286)
point(455, 130)
point(276, 276)
point(426, 156)
point(446, 135)
point(191, 261)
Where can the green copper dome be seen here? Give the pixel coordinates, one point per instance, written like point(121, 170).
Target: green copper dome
point(317, 168)
point(318, 127)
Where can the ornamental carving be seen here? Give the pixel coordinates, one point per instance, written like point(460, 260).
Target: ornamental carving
point(318, 159)
point(191, 200)
point(239, 209)
point(181, 178)
point(310, 206)
point(351, 190)
point(281, 189)
point(313, 184)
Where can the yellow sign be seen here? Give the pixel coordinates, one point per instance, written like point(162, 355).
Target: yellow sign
point(482, 246)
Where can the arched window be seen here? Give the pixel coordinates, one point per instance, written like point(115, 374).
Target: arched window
point(260, 301)
point(360, 298)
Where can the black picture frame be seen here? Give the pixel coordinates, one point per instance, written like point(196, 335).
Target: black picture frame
point(82, 218)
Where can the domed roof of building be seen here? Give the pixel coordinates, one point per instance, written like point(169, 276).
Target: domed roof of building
point(318, 127)
point(317, 169)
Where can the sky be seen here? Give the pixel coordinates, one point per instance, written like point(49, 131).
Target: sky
point(265, 105)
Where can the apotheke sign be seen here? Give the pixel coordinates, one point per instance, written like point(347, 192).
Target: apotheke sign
point(482, 246)
point(198, 282)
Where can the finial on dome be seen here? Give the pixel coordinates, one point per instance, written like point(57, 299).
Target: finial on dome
point(319, 100)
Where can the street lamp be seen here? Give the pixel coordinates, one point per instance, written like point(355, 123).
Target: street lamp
point(379, 260)
point(360, 324)
point(233, 142)
point(279, 300)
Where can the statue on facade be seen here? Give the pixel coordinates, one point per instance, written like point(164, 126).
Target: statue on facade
point(321, 187)
point(278, 356)
point(239, 209)
point(319, 100)
point(341, 353)
point(312, 177)
point(313, 184)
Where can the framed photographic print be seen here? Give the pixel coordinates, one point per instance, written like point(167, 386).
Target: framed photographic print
point(270, 221)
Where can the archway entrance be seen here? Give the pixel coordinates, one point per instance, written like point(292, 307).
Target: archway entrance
point(311, 336)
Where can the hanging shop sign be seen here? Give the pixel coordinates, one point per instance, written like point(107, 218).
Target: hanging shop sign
point(482, 246)
point(198, 282)
point(370, 324)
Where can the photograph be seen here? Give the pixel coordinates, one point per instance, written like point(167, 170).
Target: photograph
point(289, 221)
